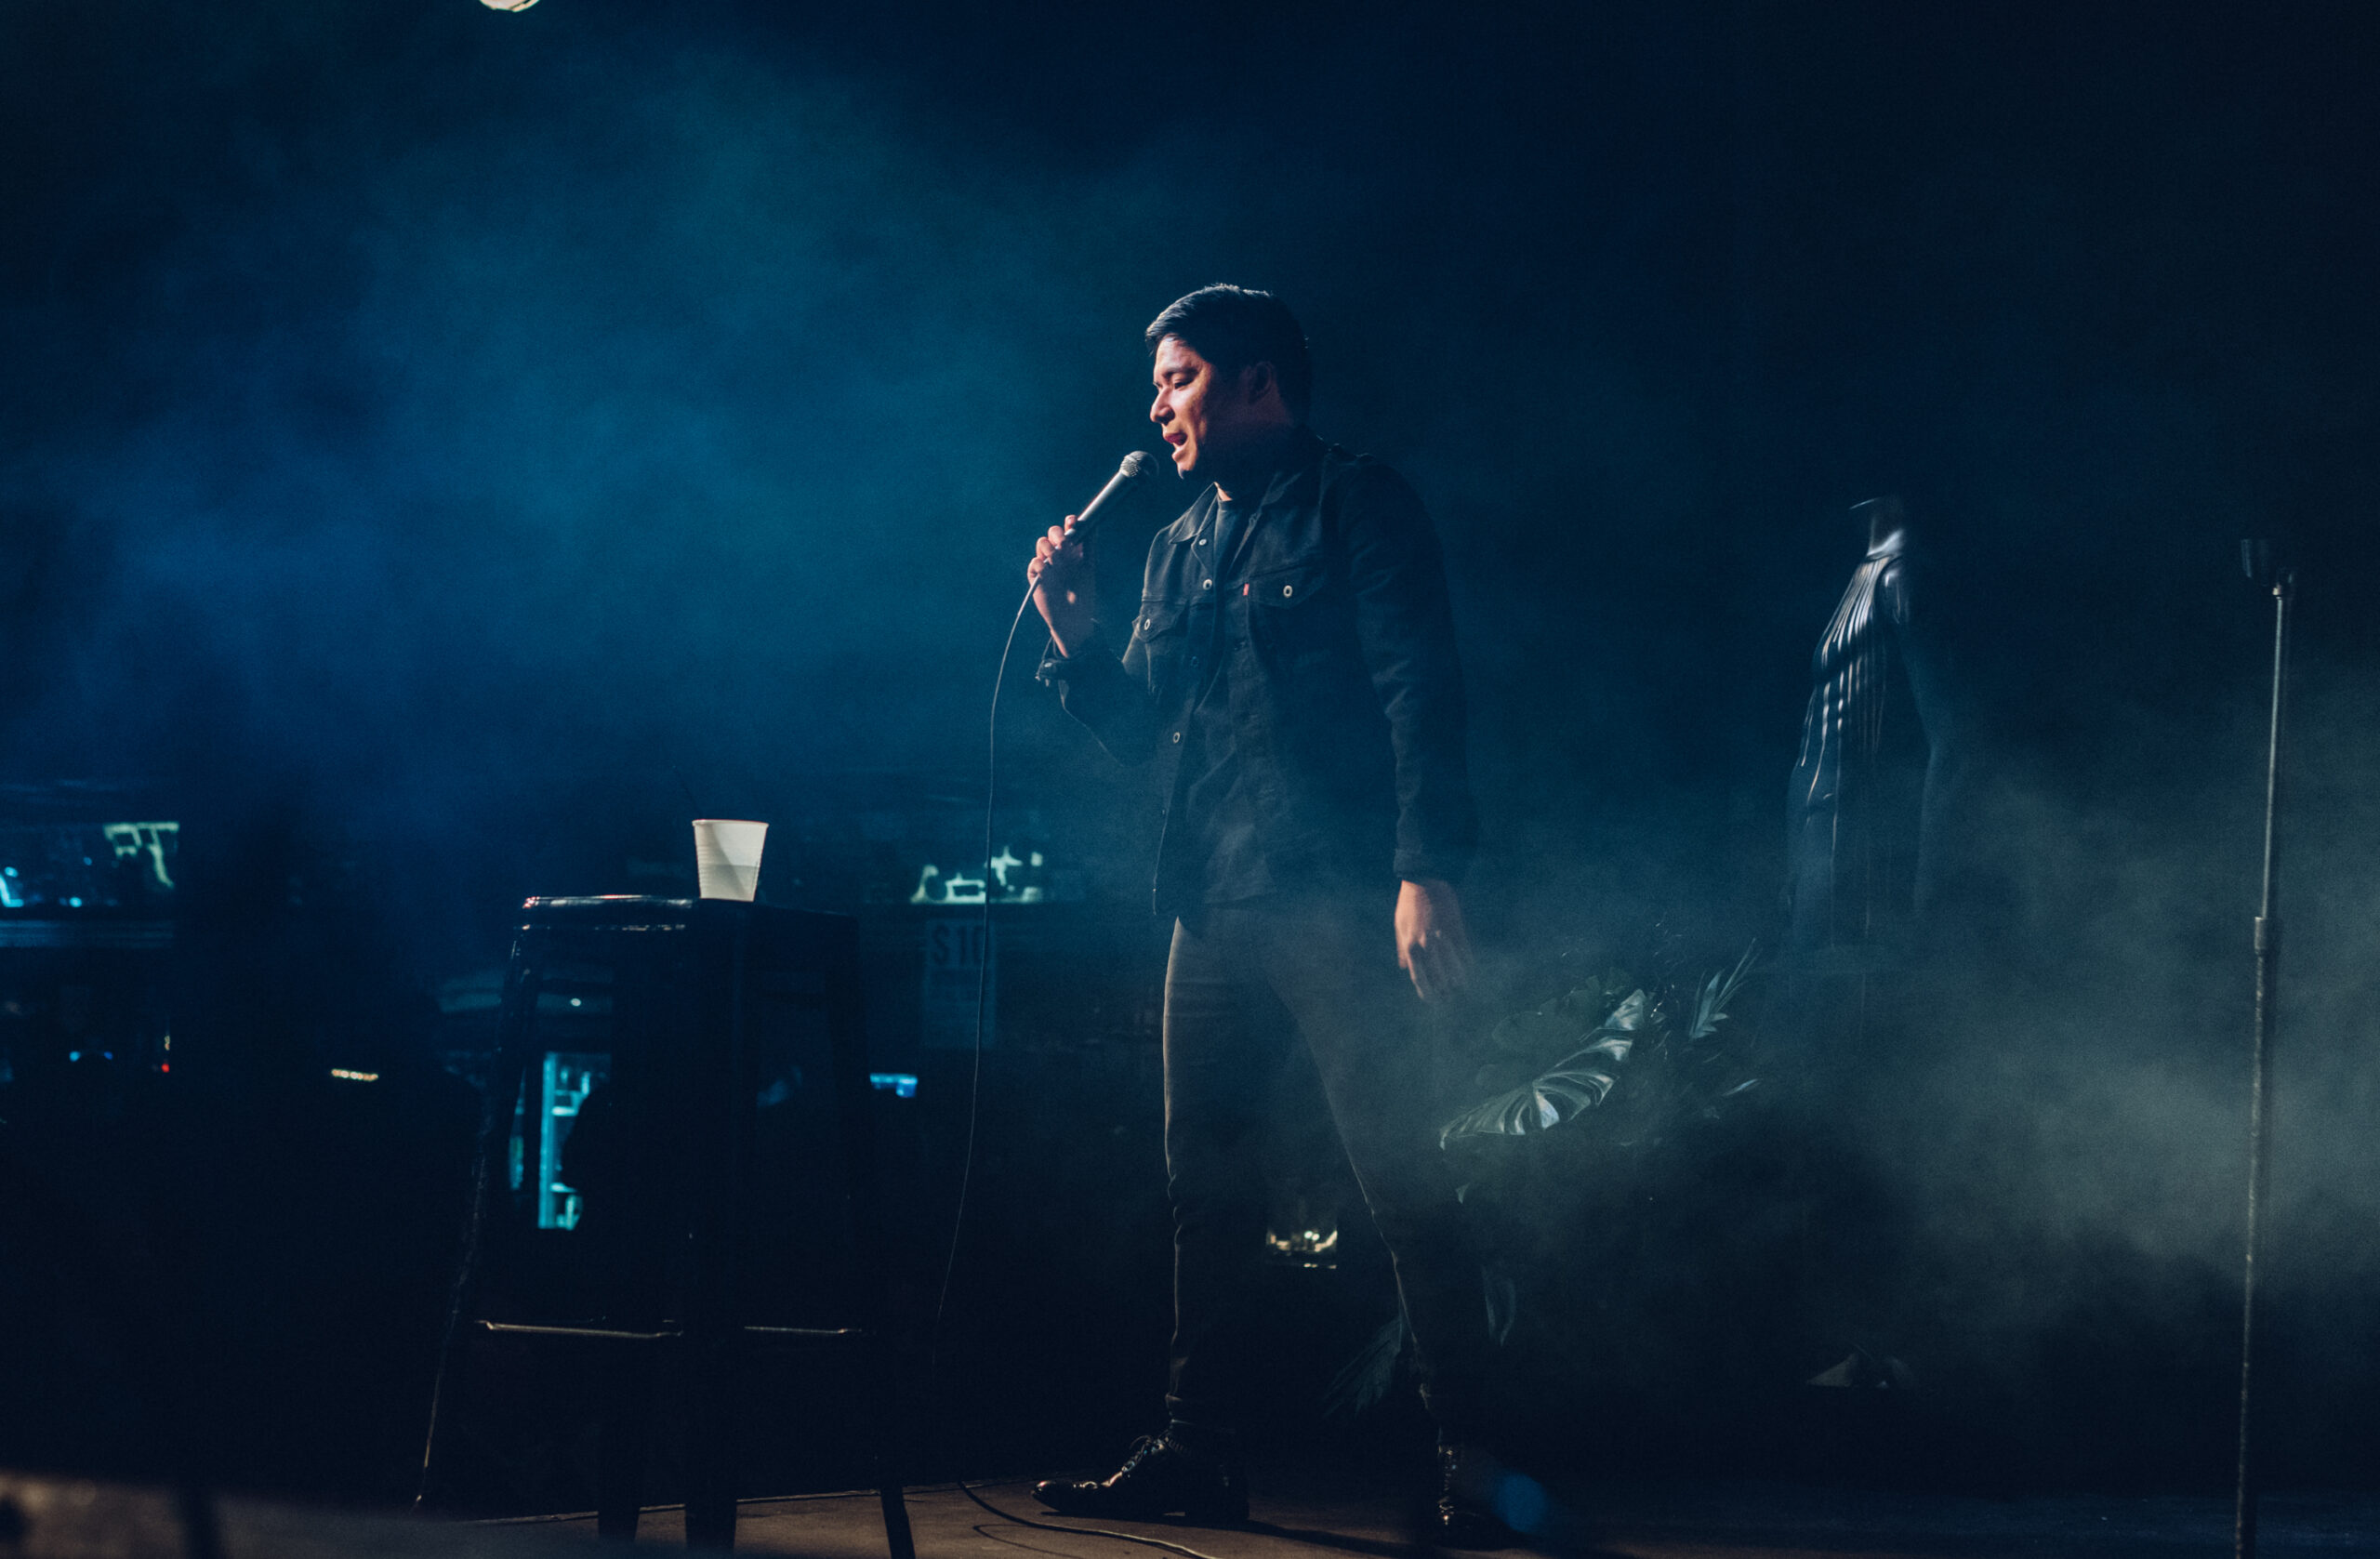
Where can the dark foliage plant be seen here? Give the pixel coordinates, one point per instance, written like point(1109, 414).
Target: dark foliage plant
point(1667, 1039)
point(1608, 1125)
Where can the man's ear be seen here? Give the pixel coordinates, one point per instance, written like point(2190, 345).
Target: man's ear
point(1256, 379)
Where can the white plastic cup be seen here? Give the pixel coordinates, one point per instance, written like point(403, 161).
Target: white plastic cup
point(727, 857)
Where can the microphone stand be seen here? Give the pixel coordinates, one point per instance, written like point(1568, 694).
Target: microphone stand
point(2256, 557)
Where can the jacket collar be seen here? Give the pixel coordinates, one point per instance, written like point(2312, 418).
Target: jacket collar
point(1299, 453)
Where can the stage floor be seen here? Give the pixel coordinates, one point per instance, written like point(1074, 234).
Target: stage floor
point(1663, 1521)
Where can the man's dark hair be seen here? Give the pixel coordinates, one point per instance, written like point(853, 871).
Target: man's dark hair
point(1233, 327)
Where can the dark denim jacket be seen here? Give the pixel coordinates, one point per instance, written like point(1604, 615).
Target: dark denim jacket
point(1346, 695)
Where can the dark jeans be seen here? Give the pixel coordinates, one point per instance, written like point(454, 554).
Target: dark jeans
point(1244, 984)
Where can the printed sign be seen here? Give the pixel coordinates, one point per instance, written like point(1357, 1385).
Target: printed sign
point(960, 953)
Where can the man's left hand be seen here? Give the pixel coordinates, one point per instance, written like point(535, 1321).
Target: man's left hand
point(1432, 945)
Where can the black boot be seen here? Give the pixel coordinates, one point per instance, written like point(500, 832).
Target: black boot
point(1466, 1515)
point(1163, 1478)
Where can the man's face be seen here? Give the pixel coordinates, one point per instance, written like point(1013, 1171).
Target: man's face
point(1202, 418)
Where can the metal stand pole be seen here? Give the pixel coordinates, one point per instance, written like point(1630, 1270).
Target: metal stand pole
point(2268, 944)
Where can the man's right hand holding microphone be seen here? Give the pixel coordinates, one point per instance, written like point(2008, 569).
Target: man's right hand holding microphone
point(1063, 587)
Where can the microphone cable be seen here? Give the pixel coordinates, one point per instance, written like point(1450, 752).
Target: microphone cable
point(982, 988)
point(1134, 468)
point(974, 1109)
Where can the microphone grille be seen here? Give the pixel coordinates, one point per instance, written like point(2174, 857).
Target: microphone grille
point(1136, 466)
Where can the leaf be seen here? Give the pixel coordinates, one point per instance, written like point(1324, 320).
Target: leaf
point(1572, 1085)
point(1504, 1297)
point(1365, 1378)
point(1712, 1010)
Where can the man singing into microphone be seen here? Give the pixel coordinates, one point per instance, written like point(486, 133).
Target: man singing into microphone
point(1291, 668)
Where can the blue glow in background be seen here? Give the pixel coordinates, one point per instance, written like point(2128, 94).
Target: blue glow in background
point(432, 427)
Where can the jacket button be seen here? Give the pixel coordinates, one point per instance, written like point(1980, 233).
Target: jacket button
point(1177, 735)
point(1287, 588)
point(1148, 623)
point(1206, 584)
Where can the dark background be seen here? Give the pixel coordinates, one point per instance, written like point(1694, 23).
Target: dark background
point(442, 448)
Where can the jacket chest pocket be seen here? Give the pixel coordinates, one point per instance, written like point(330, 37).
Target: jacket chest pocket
point(1161, 636)
point(1297, 610)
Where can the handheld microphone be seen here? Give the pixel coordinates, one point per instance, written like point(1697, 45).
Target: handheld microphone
point(1136, 466)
